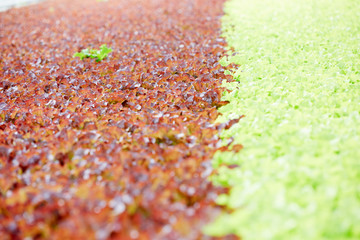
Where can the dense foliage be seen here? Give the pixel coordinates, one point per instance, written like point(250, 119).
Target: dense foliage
point(299, 83)
point(116, 149)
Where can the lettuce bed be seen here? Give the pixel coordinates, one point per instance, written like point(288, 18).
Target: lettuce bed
point(299, 82)
point(115, 149)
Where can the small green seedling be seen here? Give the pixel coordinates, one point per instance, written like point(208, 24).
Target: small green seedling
point(93, 53)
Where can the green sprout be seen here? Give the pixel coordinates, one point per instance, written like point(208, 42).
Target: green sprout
point(93, 53)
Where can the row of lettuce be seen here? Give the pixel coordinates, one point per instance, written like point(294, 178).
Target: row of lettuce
point(298, 85)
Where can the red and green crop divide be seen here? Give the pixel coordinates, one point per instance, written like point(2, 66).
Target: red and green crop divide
point(180, 119)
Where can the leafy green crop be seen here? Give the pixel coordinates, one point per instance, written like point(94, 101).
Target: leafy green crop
point(299, 88)
point(93, 53)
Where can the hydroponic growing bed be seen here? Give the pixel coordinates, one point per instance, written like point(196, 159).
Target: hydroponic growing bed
point(119, 148)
